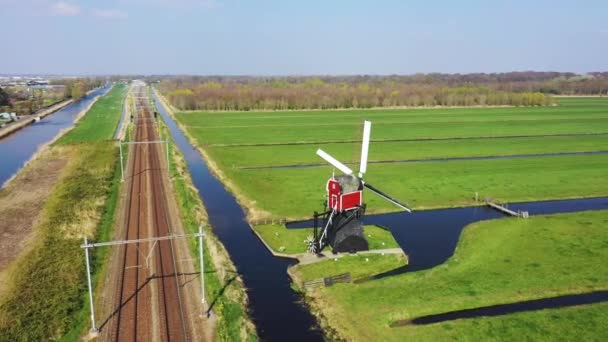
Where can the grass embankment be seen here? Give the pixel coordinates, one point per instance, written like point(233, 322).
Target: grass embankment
point(229, 295)
point(47, 298)
point(101, 120)
point(499, 261)
point(360, 266)
point(293, 241)
point(296, 193)
point(49, 282)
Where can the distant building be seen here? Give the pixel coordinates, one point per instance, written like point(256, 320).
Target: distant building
point(8, 116)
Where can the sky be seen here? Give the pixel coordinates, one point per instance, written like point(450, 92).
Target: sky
point(313, 37)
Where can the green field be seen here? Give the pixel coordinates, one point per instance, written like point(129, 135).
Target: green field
point(297, 192)
point(501, 261)
point(496, 262)
point(101, 120)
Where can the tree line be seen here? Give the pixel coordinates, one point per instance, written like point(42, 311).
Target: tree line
point(332, 92)
point(27, 100)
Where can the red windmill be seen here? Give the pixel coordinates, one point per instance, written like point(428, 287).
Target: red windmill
point(342, 225)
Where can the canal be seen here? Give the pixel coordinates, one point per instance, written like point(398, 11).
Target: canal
point(19, 147)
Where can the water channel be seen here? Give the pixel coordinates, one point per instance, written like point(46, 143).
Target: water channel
point(19, 147)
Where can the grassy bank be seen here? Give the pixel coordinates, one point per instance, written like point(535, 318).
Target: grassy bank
point(48, 288)
point(293, 241)
point(360, 267)
point(499, 261)
point(47, 297)
point(101, 120)
point(229, 295)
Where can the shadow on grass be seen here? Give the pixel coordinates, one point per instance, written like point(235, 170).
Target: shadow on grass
point(504, 309)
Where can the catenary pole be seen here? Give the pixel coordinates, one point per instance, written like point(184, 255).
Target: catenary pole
point(86, 255)
point(200, 255)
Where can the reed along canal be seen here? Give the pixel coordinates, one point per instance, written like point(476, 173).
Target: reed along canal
point(274, 307)
point(19, 147)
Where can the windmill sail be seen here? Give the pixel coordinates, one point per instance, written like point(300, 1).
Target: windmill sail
point(367, 128)
point(333, 161)
point(387, 197)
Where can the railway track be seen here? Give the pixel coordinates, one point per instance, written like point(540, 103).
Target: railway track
point(148, 303)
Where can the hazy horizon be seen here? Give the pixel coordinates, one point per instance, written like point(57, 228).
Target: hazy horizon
point(313, 38)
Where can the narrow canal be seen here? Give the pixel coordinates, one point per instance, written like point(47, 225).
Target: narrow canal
point(429, 237)
point(19, 147)
point(275, 308)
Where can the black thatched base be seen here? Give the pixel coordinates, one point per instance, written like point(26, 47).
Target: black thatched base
point(348, 236)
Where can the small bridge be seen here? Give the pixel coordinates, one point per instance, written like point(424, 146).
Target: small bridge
point(504, 209)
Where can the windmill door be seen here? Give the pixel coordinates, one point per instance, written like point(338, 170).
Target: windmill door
point(333, 194)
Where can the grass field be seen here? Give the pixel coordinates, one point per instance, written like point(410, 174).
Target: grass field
point(500, 261)
point(101, 120)
point(496, 262)
point(297, 192)
point(48, 297)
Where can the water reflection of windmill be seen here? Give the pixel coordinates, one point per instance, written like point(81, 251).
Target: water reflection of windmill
point(341, 224)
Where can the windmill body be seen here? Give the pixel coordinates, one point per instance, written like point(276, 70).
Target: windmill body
point(341, 224)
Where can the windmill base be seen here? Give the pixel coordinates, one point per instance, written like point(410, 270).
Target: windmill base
point(349, 236)
point(345, 235)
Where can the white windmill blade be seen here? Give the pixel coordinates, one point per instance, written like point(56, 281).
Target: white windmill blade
point(387, 197)
point(333, 161)
point(367, 128)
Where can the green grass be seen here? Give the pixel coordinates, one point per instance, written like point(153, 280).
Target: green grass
point(233, 320)
point(358, 265)
point(49, 289)
point(318, 126)
point(248, 156)
point(292, 241)
point(296, 193)
point(101, 120)
point(499, 261)
point(581, 323)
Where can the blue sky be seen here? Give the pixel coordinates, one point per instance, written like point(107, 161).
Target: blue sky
point(301, 37)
